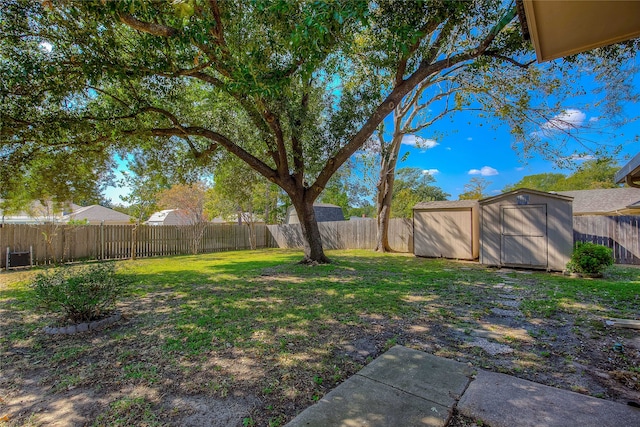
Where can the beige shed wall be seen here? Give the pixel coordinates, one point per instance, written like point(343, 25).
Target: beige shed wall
point(559, 229)
point(448, 233)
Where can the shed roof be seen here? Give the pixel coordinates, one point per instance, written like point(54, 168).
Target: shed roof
point(446, 204)
point(606, 200)
point(525, 191)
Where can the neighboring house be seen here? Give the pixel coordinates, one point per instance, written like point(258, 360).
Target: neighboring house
point(562, 28)
point(630, 173)
point(606, 201)
point(37, 213)
point(169, 217)
point(324, 212)
point(96, 215)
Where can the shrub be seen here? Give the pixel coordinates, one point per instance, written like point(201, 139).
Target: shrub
point(590, 258)
point(79, 294)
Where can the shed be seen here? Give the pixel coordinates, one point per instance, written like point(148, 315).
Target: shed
point(447, 229)
point(324, 212)
point(526, 228)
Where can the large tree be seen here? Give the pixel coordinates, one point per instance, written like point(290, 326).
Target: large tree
point(475, 189)
point(592, 174)
point(278, 84)
point(413, 185)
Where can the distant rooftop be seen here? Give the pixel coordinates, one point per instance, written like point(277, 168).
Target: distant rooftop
point(604, 201)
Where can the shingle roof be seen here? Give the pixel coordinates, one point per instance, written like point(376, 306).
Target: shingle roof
point(606, 200)
point(97, 213)
point(447, 204)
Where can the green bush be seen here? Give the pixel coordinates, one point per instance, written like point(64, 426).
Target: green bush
point(79, 294)
point(590, 258)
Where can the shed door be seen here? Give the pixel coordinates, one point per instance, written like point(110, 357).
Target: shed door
point(524, 235)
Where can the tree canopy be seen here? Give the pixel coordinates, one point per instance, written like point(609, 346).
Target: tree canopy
point(413, 185)
point(475, 189)
point(592, 174)
point(291, 88)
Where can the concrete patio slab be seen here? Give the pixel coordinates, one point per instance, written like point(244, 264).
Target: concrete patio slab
point(430, 377)
point(504, 401)
point(362, 402)
point(402, 387)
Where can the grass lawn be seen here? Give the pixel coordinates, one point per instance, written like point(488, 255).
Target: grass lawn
point(252, 338)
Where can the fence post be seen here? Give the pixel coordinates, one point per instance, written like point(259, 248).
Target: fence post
point(102, 240)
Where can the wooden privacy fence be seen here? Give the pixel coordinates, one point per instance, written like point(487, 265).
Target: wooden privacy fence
point(360, 234)
point(68, 243)
point(620, 233)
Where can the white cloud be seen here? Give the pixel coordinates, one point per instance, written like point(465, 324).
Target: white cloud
point(567, 120)
point(469, 139)
point(593, 119)
point(521, 168)
point(448, 148)
point(484, 171)
point(416, 141)
point(431, 172)
point(579, 157)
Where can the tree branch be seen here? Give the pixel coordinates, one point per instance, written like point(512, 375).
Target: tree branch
point(426, 29)
point(147, 27)
point(424, 70)
point(494, 54)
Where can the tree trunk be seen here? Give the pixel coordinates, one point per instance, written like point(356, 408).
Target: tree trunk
point(385, 192)
point(134, 241)
point(313, 252)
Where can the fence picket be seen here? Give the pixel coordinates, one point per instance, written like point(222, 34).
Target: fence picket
point(620, 233)
point(68, 243)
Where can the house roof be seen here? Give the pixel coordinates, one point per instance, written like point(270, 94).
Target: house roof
point(97, 213)
point(561, 28)
point(629, 172)
point(38, 212)
point(324, 212)
point(446, 204)
point(602, 201)
point(526, 191)
point(160, 215)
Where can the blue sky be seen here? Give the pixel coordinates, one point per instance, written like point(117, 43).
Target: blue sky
point(464, 146)
point(481, 147)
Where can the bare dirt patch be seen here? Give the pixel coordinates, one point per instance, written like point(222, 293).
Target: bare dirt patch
point(258, 350)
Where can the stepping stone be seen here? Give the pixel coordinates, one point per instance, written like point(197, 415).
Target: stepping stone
point(493, 348)
point(506, 313)
point(496, 332)
point(509, 303)
point(508, 296)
